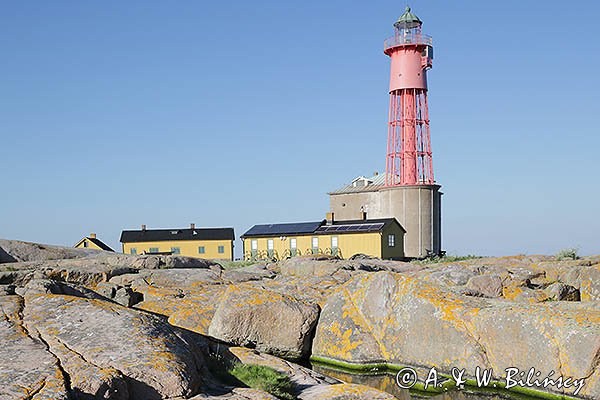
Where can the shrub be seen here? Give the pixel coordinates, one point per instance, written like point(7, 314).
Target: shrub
point(567, 254)
point(264, 378)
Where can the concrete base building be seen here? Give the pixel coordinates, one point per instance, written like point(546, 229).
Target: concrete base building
point(418, 209)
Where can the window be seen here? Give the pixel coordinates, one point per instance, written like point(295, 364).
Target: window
point(334, 245)
point(293, 246)
point(153, 250)
point(221, 249)
point(270, 247)
point(201, 250)
point(85, 243)
point(315, 245)
point(391, 240)
point(133, 250)
point(175, 250)
point(254, 247)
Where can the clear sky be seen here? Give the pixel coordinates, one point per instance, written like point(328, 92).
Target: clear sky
point(233, 113)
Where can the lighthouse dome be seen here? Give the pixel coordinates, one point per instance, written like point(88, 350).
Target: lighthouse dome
point(408, 20)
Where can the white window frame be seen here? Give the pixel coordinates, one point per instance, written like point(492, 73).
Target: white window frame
point(270, 244)
point(254, 244)
point(314, 242)
point(334, 242)
point(391, 240)
point(293, 244)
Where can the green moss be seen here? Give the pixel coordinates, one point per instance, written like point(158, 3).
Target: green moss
point(264, 378)
point(516, 393)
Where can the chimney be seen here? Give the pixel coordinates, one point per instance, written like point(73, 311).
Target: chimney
point(329, 218)
point(93, 235)
point(143, 227)
point(363, 215)
point(192, 226)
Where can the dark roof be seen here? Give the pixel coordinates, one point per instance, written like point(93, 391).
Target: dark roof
point(366, 226)
point(307, 228)
point(300, 228)
point(99, 243)
point(160, 235)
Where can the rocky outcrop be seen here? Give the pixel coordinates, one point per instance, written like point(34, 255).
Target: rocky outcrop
point(171, 262)
point(388, 318)
point(346, 391)
point(270, 321)
point(114, 326)
point(18, 251)
point(255, 272)
point(237, 394)
point(120, 348)
point(27, 369)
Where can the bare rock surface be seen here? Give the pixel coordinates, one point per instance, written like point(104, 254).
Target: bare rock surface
point(270, 321)
point(346, 391)
point(118, 345)
point(18, 251)
point(27, 369)
point(386, 317)
point(255, 272)
point(237, 394)
point(80, 325)
point(173, 261)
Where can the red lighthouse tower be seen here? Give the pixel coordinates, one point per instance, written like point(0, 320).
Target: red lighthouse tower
point(408, 159)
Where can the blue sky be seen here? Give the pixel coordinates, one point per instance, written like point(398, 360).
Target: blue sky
point(114, 114)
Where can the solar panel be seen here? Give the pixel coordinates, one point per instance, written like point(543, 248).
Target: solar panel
point(283, 229)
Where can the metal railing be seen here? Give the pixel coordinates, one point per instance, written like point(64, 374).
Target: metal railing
point(402, 39)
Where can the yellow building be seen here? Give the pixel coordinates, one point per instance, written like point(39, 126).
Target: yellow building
point(383, 238)
point(92, 242)
point(212, 243)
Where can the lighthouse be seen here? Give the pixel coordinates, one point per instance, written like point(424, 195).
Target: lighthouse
point(408, 159)
point(406, 190)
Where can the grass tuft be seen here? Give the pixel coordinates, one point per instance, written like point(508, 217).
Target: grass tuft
point(264, 378)
point(567, 254)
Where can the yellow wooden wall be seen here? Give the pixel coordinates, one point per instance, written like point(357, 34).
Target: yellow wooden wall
point(348, 245)
point(90, 245)
point(374, 244)
point(188, 248)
